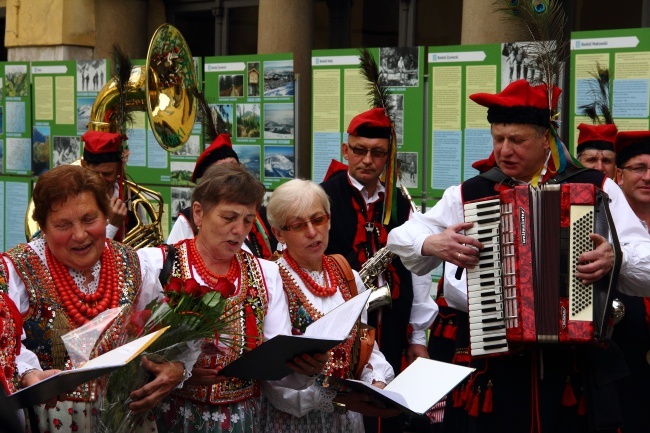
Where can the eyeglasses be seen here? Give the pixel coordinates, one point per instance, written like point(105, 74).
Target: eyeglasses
point(362, 151)
point(301, 226)
point(639, 170)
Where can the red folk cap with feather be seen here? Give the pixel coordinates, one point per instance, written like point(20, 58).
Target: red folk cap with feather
point(221, 148)
point(371, 124)
point(601, 137)
point(102, 147)
point(630, 144)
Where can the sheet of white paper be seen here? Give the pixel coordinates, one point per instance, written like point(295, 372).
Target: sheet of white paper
point(123, 354)
point(423, 383)
point(336, 324)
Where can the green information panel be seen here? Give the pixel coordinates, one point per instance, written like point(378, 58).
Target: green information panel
point(626, 54)
point(340, 92)
point(459, 133)
point(253, 99)
point(64, 93)
point(15, 193)
point(15, 118)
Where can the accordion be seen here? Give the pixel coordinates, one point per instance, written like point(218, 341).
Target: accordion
point(524, 289)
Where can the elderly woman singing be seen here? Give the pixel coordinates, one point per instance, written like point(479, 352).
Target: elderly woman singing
point(299, 214)
point(66, 278)
point(224, 207)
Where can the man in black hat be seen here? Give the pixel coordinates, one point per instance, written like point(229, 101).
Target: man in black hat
point(541, 388)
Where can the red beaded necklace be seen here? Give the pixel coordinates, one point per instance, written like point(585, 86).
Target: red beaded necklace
point(79, 306)
point(330, 279)
point(207, 275)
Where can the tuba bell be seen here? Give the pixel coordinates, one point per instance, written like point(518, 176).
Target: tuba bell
point(165, 89)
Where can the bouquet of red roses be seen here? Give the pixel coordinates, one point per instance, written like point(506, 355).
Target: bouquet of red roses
point(193, 313)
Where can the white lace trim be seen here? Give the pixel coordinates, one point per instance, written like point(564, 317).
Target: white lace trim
point(326, 396)
point(38, 246)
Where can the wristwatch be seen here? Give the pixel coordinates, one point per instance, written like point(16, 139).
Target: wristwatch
point(339, 408)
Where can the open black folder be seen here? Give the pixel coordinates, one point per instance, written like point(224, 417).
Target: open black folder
point(416, 389)
point(70, 379)
point(269, 360)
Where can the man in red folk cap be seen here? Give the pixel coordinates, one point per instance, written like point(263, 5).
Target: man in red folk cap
point(219, 152)
point(596, 147)
point(357, 202)
point(538, 388)
point(632, 333)
point(103, 154)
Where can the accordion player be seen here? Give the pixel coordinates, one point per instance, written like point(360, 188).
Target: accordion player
point(524, 289)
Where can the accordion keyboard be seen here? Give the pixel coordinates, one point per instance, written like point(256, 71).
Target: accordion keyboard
point(484, 282)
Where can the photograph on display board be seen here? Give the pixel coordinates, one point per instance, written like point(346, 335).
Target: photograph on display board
point(397, 104)
point(249, 156)
point(40, 149)
point(19, 155)
point(16, 120)
point(192, 147)
point(65, 150)
point(181, 198)
point(400, 66)
point(279, 161)
point(248, 120)
point(2, 155)
point(278, 78)
point(253, 79)
point(2, 88)
point(84, 107)
point(231, 85)
point(222, 115)
point(16, 80)
point(181, 173)
point(2, 115)
point(278, 121)
point(91, 75)
point(407, 169)
point(519, 62)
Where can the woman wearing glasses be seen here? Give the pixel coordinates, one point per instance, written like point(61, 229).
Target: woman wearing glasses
point(299, 214)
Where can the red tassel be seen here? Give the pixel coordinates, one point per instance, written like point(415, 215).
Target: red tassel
point(455, 397)
point(582, 405)
point(475, 402)
point(569, 397)
point(461, 358)
point(438, 329)
point(487, 400)
point(449, 331)
point(469, 400)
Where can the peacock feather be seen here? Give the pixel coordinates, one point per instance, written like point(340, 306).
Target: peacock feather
point(121, 118)
point(599, 90)
point(379, 97)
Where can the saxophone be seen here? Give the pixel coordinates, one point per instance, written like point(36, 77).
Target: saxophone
point(375, 265)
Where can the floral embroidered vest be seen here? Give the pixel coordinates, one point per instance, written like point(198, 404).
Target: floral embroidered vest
point(10, 331)
point(251, 304)
point(46, 321)
point(303, 313)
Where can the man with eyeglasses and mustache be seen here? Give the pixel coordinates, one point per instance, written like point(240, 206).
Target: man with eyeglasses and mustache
point(357, 204)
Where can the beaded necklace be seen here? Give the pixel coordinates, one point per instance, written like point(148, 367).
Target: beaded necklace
point(329, 277)
point(207, 275)
point(79, 306)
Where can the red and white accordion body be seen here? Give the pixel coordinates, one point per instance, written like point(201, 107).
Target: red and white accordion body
point(524, 289)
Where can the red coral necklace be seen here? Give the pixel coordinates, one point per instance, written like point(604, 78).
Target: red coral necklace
point(330, 279)
point(207, 275)
point(79, 306)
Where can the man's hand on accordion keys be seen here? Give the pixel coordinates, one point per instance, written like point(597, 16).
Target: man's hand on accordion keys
point(453, 246)
point(596, 263)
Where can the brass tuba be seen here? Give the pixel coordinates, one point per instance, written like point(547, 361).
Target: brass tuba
point(165, 89)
